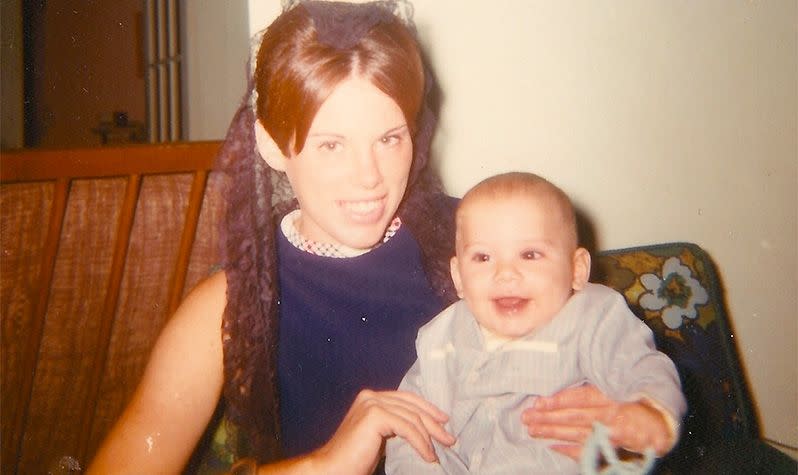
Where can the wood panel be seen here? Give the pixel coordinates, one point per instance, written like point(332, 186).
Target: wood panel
point(205, 251)
point(144, 295)
point(110, 292)
point(72, 326)
point(22, 237)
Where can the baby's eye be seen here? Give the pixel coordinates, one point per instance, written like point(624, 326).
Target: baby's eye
point(531, 255)
point(480, 257)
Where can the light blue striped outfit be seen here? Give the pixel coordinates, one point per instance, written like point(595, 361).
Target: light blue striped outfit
point(595, 338)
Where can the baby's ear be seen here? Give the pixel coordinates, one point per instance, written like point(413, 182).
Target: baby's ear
point(455, 270)
point(581, 268)
point(268, 148)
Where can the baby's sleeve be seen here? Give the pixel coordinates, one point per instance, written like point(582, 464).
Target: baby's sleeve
point(619, 356)
point(400, 456)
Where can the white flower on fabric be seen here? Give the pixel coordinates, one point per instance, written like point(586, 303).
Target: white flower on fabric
point(677, 293)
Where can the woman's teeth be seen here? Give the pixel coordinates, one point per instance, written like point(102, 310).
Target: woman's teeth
point(362, 207)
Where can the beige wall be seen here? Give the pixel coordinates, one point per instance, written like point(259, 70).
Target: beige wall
point(215, 41)
point(665, 121)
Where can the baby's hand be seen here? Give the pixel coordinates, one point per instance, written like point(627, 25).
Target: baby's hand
point(637, 426)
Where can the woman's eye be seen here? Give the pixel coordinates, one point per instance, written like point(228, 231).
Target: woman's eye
point(329, 146)
point(480, 257)
point(390, 140)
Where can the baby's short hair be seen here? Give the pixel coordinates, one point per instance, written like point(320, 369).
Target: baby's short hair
point(510, 184)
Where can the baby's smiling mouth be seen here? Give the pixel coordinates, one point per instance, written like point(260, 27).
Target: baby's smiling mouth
point(509, 305)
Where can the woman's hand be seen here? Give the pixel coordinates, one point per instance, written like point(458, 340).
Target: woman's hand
point(375, 416)
point(569, 415)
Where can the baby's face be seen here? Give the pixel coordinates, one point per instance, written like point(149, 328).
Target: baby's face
point(515, 265)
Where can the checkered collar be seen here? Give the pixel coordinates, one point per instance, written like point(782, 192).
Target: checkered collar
point(288, 227)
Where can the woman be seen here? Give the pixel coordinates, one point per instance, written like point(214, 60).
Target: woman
point(318, 303)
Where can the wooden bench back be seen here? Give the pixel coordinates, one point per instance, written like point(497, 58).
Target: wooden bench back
point(98, 248)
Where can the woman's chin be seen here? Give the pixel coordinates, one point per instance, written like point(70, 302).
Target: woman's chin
point(364, 242)
point(364, 235)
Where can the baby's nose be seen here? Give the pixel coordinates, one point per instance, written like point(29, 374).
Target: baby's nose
point(506, 272)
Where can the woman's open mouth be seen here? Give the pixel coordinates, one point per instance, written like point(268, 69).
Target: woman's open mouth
point(364, 212)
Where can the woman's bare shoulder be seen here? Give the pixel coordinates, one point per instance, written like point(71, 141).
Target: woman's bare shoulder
point(211, 290)
point(204, 305)
point(195, 328)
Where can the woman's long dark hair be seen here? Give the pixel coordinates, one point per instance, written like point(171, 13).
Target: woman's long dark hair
point(295, 73)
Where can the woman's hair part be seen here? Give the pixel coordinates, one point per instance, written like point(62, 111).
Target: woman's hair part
point(296, 72)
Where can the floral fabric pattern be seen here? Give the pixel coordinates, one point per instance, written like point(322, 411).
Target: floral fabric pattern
point(676, 293)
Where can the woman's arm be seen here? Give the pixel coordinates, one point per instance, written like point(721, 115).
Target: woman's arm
point(174, 402)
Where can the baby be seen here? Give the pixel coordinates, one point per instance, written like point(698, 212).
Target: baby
point(528, 324)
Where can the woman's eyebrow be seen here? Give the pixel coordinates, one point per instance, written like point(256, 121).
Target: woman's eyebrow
point(326, 135)
point(322, 134)
point(395, 129)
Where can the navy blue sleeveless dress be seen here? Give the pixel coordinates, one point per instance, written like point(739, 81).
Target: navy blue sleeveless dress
point(345, 324)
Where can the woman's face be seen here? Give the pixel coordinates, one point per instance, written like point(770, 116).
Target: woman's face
point(352, 172)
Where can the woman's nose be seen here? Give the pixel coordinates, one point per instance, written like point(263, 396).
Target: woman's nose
point(366, 170)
